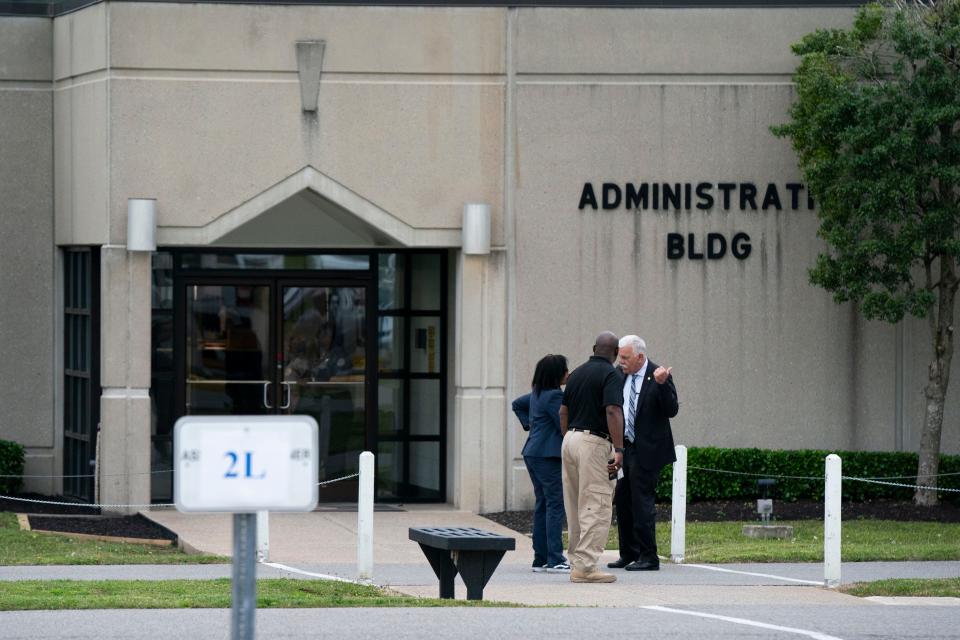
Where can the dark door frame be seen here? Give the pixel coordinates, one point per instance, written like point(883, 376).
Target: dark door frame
point(180, 274)
point(276, 283)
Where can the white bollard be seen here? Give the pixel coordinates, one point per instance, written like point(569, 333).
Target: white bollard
point(678, 526)
point(365, 518)
point(263, 536)
point(831, 522)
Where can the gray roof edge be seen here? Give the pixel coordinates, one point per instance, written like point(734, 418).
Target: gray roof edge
point(54, 8)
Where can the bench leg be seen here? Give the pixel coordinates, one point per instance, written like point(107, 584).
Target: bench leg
point(443, 567)
point(475, 568)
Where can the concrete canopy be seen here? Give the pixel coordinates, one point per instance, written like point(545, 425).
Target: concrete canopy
point(308, 209)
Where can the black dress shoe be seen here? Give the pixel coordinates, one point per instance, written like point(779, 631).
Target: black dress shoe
point(643, 566)
point(620, 563)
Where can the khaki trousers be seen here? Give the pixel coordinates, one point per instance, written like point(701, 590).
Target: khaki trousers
point(587, 496)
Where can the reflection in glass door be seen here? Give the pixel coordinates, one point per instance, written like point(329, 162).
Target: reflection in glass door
point(324, 355)
point(227, 347)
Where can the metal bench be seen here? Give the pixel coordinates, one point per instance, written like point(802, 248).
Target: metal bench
point(474, 553)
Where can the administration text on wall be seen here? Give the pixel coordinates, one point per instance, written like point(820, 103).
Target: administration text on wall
point(702, 196)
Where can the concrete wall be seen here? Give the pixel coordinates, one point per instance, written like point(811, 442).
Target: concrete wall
point(423, 109)
point(81, 126)
point(205, 107)
point(761, 358)
point(29, 315)
point(744, 335)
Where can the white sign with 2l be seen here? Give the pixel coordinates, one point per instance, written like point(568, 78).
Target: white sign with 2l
point(243, 464)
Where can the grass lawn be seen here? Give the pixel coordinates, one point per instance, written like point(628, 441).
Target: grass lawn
point(194, 594)
point(862, 540)
point(29, 547)
point(939, 587)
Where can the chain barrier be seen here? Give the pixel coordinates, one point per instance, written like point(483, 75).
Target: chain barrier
point(916, 475)
point(737, 473)
point(119, 475)
point(898, 484)
point(880, 480)
point(355, 475)
point(87, 505)
point(754, 475)
point(91, 475)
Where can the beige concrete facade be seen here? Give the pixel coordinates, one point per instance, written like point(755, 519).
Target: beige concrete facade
point(29, 390)
point(421, 110)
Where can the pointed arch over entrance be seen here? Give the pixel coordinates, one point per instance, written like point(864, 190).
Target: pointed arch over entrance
point(309, 298)
point(308, 209)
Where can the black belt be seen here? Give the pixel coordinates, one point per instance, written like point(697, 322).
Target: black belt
point(599, 434)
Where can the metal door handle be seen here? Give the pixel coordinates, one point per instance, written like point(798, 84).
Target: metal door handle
point(266, 401)
point(286, 388)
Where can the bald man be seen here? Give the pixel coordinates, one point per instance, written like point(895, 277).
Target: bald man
point(591, 421)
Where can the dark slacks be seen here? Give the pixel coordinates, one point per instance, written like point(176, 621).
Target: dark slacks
point(636, 509)
point(548, 513)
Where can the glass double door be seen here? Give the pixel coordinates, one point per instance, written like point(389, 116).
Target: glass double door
point(278, 346)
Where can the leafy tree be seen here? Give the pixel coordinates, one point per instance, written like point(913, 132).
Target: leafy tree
point(876, 125)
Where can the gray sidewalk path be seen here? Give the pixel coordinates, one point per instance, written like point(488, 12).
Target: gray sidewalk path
point(507, 575)
point(324, 543)
point(748, 584)
point(673, 585)
point(331, 536)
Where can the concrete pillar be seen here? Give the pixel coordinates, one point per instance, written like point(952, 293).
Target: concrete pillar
point(479, 452)
point(124, 447)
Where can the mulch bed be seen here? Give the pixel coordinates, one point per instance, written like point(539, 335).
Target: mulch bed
point(123, 526)
point(51, 517)
point(720, 510)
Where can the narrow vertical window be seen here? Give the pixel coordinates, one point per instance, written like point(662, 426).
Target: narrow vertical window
point(81, 379)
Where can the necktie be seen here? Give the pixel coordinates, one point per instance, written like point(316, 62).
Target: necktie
point(633, 408)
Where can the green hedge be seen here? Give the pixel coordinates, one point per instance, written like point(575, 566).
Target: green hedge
point(11, 464)
point(709, 485)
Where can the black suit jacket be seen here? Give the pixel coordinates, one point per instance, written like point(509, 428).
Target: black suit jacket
point(656, 404)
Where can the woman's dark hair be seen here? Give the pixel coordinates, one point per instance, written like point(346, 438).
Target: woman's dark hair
point(549, 372)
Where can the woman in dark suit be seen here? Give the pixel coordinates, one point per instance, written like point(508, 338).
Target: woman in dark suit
point(539, 413)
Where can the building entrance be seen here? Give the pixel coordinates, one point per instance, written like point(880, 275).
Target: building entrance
point(283, 346)
point(354, 339)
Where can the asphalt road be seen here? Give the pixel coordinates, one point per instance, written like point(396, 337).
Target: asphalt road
point(680, 623)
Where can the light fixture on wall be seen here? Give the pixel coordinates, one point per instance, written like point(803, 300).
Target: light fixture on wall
point(141, 224)
point(476, 229)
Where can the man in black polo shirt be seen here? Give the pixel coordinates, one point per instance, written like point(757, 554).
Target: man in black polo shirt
point(591, 421)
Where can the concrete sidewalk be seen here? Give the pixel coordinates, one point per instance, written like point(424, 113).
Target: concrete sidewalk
point(324, 543)
point(330, 536)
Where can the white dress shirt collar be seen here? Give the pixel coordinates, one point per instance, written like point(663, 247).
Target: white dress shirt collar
point(642, 373)
point(639, 383)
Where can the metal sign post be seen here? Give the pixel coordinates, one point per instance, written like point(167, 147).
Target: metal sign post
point(244, 576)
point(242, 465)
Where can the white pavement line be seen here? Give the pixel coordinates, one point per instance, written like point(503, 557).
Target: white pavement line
point(749, 623)
point(750, 573)
point(322, 576)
